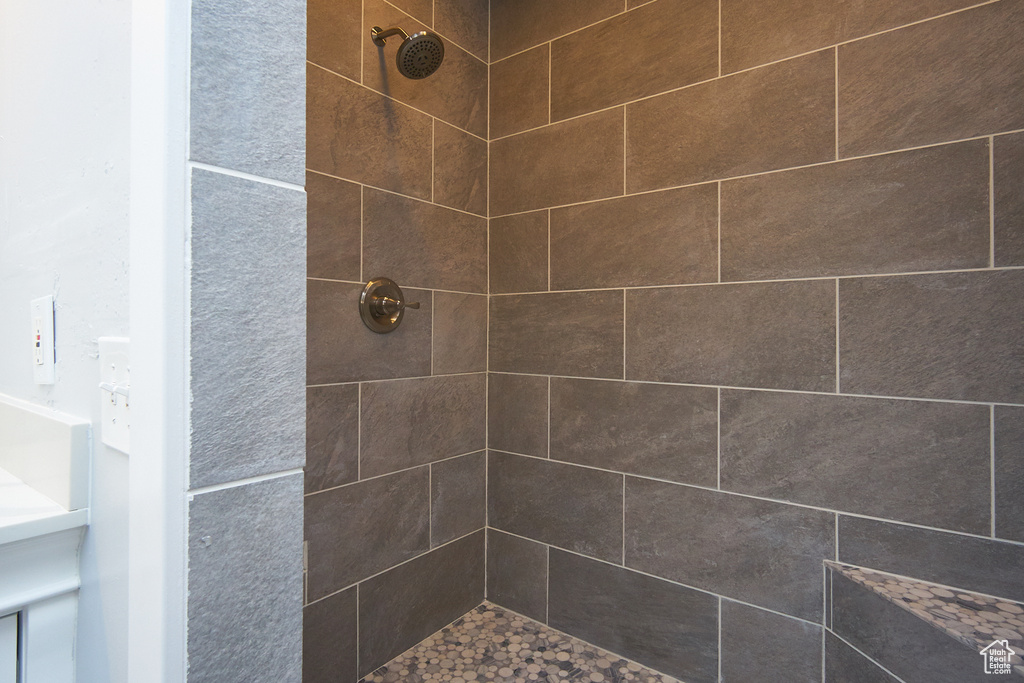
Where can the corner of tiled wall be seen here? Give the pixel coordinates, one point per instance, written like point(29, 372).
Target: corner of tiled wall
point(395, 481)
point(247, 340)
point(755, 303)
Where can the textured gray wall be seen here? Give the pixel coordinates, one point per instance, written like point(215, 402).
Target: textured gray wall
point(248, 356)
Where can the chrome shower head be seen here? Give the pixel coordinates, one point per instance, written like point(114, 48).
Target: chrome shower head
point(418, 56)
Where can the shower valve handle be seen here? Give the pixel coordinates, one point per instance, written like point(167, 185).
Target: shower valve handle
point(382, 305)
point(385, 305)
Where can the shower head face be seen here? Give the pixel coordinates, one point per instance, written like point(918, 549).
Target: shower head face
point(420, 55)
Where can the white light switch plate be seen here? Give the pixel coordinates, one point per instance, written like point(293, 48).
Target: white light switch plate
point(115, 381)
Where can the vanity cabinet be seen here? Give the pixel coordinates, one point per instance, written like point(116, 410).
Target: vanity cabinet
point(9, 649)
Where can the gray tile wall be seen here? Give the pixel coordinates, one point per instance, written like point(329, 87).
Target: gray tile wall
point(247, 341)
point(395, 423)
point(754, 262)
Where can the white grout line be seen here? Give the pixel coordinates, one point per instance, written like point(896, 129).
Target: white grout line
point(711, 283)
point(836, 101)
point(433, 316)
point(550, 60)
point(625, 163)
point(430, 506)
point(424, 289)
point(719, 75)
point(210, 168)
point(362, 60)
point(780, 501)
point(740, 388)
point(991, 202)
point(719, 439)
point(549, 418)
point(238, 483)
point(359, 432)
point(659, 578)
point(992, 466)
point(388, 474)
point(773, 171)
point(397, 194)
point(568, 33)
point(719, 210)
point(362, 221)
point(837, 335)
point(357, 627)
point(433, 160)
point(836, 521)
point(397, 379)
point(549, 249)
point(720, 617)
point(624, 334)
point(547, 586)
point(623, 520)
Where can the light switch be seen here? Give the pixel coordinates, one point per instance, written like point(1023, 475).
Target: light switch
point(43, 354)
point(115, 383)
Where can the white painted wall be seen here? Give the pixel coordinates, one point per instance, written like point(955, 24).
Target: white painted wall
point(64, 190)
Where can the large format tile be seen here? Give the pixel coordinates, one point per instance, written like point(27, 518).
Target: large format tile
point(625, 57)
point(456, 93)
point(768, 554)
point(1008, 159)
point(517, 574)
point(774, 335)
point(460, 333)
point(358, 530)
point(519, 92)
point(571, 507)
point(362, 136)
point(334, 228)
point(915, 650)
point(329, 635)
point(1009, 472)
point(951, 336)
point(465, 22)
point(843, 664)
point(245, 583)
point(920, 210)
point(776, 649)
point(458, 489)
point(668, 627)
point(519, 253)
point(410, 422)
point(247, 305)
point(405, 605)
point(247, 86)
point(517, 413)
point(340, 348)
point(332, 436)
point(774, 117)
point(421, 9)
point(976, 564)
point(418, 244)
point(460, 169)
point(660, 238)
point(760, 31)
point(575, 333)
point(926, 463)
point(572, 161)
point(947, 79)
point(668, 432)
point(335, 35)
point(520, 24)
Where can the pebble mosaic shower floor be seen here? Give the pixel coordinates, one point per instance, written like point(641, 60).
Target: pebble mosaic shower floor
point(493, 644)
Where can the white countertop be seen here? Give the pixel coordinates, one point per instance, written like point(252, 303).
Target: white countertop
point(25, 513)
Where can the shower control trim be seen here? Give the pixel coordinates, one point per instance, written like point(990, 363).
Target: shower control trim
point(382, 305)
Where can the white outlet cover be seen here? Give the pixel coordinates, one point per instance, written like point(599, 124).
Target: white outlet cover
point(115, 383)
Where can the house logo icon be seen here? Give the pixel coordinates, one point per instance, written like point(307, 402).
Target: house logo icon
point(997, 657)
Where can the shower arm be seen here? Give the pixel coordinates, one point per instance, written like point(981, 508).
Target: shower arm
point(378, 35)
